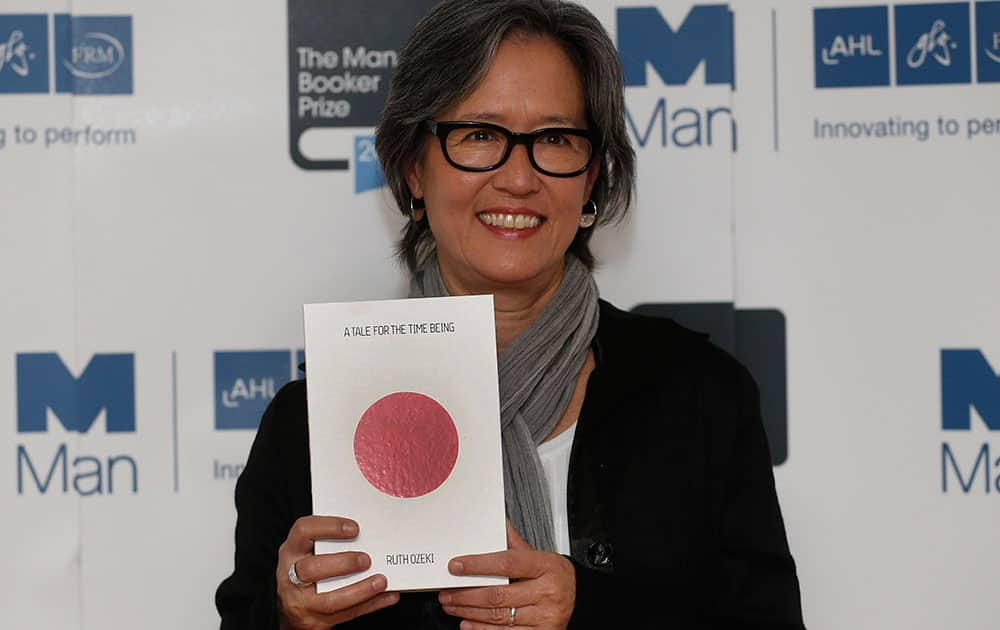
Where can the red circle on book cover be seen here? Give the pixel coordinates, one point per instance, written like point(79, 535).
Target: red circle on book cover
point(406, 444)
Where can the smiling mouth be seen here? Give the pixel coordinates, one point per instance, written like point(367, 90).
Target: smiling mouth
point(510, 221)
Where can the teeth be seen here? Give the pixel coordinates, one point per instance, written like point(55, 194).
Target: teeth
point(509, 221)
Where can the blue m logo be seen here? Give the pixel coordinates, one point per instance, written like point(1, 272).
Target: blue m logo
point(706, 35)
point(44, 382)
point(968, 381)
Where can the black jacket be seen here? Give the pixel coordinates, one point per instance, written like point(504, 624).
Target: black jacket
point(673, 517)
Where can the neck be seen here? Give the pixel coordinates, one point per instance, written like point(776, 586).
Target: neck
point(514, 311)
point(514, 306)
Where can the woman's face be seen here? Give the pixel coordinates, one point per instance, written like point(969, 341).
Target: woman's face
point(531, 85)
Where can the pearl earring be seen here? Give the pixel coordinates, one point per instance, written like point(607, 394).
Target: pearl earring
point(587, 219)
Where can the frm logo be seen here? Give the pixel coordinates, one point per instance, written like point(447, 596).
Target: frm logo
point(702, 39)
point(50, 396)
point(93, 54)
point(933, 44)
point(969, 382)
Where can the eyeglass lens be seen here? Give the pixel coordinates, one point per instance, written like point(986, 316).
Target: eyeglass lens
point(484, 147)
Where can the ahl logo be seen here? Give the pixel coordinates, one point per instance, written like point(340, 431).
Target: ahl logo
point(24, 54)
point(755, 337)
point(246, 381)
point(969, 382)
point(93, 54)
point(44, 386)
point(851, 46)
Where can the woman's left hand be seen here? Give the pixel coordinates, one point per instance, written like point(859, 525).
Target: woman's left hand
point(541, 594)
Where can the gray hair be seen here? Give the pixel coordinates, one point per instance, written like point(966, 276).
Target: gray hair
point(448, 54)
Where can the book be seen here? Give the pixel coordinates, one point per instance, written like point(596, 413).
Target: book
point(404, 434)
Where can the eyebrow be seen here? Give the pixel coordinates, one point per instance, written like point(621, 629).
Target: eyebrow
point(554, 119)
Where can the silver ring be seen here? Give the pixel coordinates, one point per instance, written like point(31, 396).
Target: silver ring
point(293, 577)
point(510, 617)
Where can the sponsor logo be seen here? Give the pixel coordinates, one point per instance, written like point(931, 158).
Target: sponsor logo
point(367, 171)
point(988, 42)
point(93, 54)
point(46, 390)
point(341, 57)
point(24, 54)
point(246, 381)
point(932, 44)
point(969, 382)
point(757, 338)
point(851, 46)
point(703, 39)
point(106, 385)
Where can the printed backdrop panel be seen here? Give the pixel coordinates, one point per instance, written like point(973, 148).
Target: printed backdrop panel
point(677, 243)
point(40, 534)
point(815, 189)
point(868, 223)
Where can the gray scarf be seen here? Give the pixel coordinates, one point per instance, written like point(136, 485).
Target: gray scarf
point(538, 374)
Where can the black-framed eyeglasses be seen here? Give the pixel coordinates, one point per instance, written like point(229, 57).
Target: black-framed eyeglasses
point(481, 146)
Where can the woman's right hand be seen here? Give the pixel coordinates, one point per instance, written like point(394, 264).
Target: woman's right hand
point(300, 607)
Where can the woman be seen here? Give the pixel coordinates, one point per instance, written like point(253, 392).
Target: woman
point(639, 488)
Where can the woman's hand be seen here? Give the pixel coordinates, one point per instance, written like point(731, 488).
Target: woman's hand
point(300, 607)
point(542, 597)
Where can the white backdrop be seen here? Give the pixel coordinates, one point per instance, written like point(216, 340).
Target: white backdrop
point(179, 232)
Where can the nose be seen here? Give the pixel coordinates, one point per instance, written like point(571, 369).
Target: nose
point(517, 176)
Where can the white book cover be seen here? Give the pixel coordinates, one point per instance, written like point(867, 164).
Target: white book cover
point(404, 434)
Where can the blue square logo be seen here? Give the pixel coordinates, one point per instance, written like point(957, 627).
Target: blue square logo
point(932, 44)
point(24, 54)
point(245, 382)
point(988, 42)
point(851, 46)
point(93, 54)
point(367, 172)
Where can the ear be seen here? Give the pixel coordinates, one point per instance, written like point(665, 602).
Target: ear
point(592, 172)
point(414, 178)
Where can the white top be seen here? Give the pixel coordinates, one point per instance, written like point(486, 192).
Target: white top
point(555, 461)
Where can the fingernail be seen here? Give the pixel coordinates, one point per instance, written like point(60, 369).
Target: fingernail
point(364, 561)
point(392, 598)
point(444, 598)
point(456, 566)
point(349, 528)
point(466, 624)
point(378, 583)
